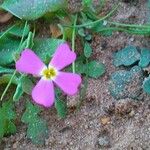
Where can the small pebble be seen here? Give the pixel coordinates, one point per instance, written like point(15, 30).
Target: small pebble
point(105, 120)
point(103, 141)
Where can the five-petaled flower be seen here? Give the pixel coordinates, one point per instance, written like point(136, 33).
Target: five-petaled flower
point(43, 92)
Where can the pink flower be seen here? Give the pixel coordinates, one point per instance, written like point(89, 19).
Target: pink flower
point(43, 92)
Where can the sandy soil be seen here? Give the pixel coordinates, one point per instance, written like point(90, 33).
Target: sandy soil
point(102, 122)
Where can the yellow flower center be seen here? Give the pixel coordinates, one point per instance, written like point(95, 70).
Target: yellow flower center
point(49, 73)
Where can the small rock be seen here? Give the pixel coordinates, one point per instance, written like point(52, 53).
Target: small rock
point(72, 100)
point(126, 84)
point(146, 85)
point(105, 120)
point(145, 58)
point(125, 107)
point(127, 56)
point(103, 141)
point(15, 145)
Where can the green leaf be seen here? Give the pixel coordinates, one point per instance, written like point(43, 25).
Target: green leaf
point(2, 125)
point(87, 50)
point(7, 116)
point(7, 48)
point(37, 128)
point(6, 70)
point(6, 78)
point(31, 10)
point(7, 109)
point(81, 32)
point(27, 85)
point(38, 131)
point(19, 30)
point(11, 128)
point(45, 48)
point(95, 69)
point(31, 113)
point(61, 108)
point(18, 93)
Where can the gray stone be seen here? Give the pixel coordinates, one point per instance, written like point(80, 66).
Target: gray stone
point(126, 84)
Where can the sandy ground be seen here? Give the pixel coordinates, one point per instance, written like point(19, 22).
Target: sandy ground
point(102, 122)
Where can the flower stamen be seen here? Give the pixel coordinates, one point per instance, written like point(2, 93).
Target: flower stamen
point(49, 73)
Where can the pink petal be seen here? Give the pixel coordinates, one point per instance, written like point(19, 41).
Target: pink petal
point(43, 93)
point(68, 82)
point(29, 63)
point(62, 57)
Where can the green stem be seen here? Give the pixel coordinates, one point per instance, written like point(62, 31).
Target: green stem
point(8, 85)
point(129, 25)
point(7, 31)
point(73, 40)
point(22, 38)
point(97, 21)
point(10, 81)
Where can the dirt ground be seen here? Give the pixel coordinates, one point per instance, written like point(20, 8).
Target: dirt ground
point(102, 122)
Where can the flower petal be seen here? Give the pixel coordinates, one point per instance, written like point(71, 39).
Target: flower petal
point(43, 93)
point(68, 82)
point(29, 63)
point(62, 57)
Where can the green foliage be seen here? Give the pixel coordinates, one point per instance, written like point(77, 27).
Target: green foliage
point(45, 48)
point(87, 50)
point(31, 10)
point(38, 131)
point(6, 78)
point(25, 85)
point(61, 108)
point(5, 70)
point(19, 30)
point(126, 56)
point(7, 117)
point(95, 69)
point(7, 48)
point(86, 2)
point(37, 128)
point(18, 93)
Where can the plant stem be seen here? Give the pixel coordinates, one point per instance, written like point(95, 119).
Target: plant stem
point(129, 25)
point(73, 40)
point(10, 81)
point(7, 31)
point(97, 21)
point(8, 85)
point(22, 38)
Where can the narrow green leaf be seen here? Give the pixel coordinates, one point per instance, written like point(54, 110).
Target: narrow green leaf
point(6, 70)
point(6, 78)
point(18, 93)
point(87, 50)
point(61, 108)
